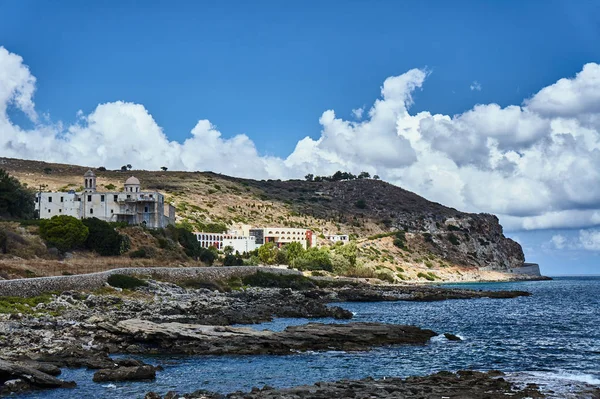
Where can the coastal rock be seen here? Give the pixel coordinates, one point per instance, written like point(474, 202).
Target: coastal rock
point(460, 385)
point(18, 378)
point(219, 340)
point(134, 373)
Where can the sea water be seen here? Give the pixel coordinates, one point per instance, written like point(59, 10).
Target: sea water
point(551, 337)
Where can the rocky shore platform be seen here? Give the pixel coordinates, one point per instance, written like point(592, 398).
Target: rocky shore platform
point(460, 385)
point(83, 328)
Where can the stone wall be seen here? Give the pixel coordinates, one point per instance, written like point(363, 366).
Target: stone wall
point(36, 286)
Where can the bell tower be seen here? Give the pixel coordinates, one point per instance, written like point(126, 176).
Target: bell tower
point(89, 182)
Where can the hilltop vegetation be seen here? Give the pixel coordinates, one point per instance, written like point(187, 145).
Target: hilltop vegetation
point(397, 234)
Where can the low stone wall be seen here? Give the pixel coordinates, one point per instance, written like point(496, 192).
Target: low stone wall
point(35, 286)
point(528, 269)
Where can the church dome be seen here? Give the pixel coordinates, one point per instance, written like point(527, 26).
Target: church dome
point(89, 173)
point(132, 180)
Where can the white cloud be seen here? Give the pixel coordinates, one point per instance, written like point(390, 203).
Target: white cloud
point(358, 113)
point(475, 86)
point(558, 241)
point(536, 165)
point(589, 239)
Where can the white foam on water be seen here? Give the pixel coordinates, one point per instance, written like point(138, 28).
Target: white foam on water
point(441, 338)
point(559, 384)
point(111, 386)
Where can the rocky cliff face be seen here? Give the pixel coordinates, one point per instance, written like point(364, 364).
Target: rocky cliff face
point(466, 239)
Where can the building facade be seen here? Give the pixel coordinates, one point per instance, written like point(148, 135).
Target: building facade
point(132, 205)
point(241, 244)
point(344, 238)
point(283, 235)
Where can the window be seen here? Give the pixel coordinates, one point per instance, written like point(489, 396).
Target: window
point(79, 199)
point(48, 210)
point(89, 198)
point(36, 199)
point(137, 189)
point(91, 211)
point(115, 198)
point(111, 211)
point(128, 196)
point(151, 195)
point(60, 211)
point(146, 209)
point(62, 199)
point(49, 199)
point(102, 198)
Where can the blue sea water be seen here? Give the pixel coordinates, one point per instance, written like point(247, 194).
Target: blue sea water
point(553, 335)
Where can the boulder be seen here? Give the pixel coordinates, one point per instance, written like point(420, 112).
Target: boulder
point(135, 373)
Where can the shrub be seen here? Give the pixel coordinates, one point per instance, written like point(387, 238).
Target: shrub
point(273, 280)
point(429, 264)
point(315, 259)
point(453, 239)
point(110, 187)
point(361, 204)
point(64, 232)
point(10, 304)
point(233, 260)
point(384, 276)
point(126, 282)
point(360, 272)
point(143, 252)
point(400, 239)
point(428, 237)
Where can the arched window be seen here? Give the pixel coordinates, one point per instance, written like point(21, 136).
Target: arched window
point(91, 211)
point(86, 183)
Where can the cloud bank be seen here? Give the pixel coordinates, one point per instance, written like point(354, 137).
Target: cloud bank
point(536, 165)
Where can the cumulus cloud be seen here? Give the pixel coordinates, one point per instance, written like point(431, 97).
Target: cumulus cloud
point(475, 86)
point(536, 164)
point(590, 239)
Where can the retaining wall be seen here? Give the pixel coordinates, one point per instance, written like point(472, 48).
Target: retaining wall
point(36, 286)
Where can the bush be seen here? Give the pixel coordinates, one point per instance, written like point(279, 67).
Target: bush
point(361, 204)
point(315, 259)
point(233, 260)
point(126, 282)
point(384, 276)
point(64, 232)
point(453, 239)
point(16, 201)
point(272, 280)
point(103, 238)
point(400, 239)
point(267, 253)
point(143, 252)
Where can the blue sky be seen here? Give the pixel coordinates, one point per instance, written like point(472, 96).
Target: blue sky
point(270, 69)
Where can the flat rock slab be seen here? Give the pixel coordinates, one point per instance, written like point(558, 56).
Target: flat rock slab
point(17, 377)
point(151, 337)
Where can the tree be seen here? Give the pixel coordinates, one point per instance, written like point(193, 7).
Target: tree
point(376, 177)
point(361, 204)
point(228, 250)
point(103, 238)
point(364, 175)
point(349, 252)
point(293, 251)
point(16, 200)
point(64, 232)
point(124, 168)
point(309, 177)
point(164, 168)
point(267, 253)
point(101, 169)
point(129, 166)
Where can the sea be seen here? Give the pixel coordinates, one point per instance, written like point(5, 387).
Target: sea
point(551, 337)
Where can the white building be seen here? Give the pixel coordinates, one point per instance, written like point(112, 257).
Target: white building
point(344, 238)
point(132, 205)
point(283, 235)
point(239, 243)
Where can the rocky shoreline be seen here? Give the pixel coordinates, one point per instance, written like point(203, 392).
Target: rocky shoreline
point(464, 384)
point(81, 329)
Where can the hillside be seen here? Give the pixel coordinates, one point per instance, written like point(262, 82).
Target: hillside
point(439, 241)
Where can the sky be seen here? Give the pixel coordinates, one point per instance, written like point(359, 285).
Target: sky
point(483, 106)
